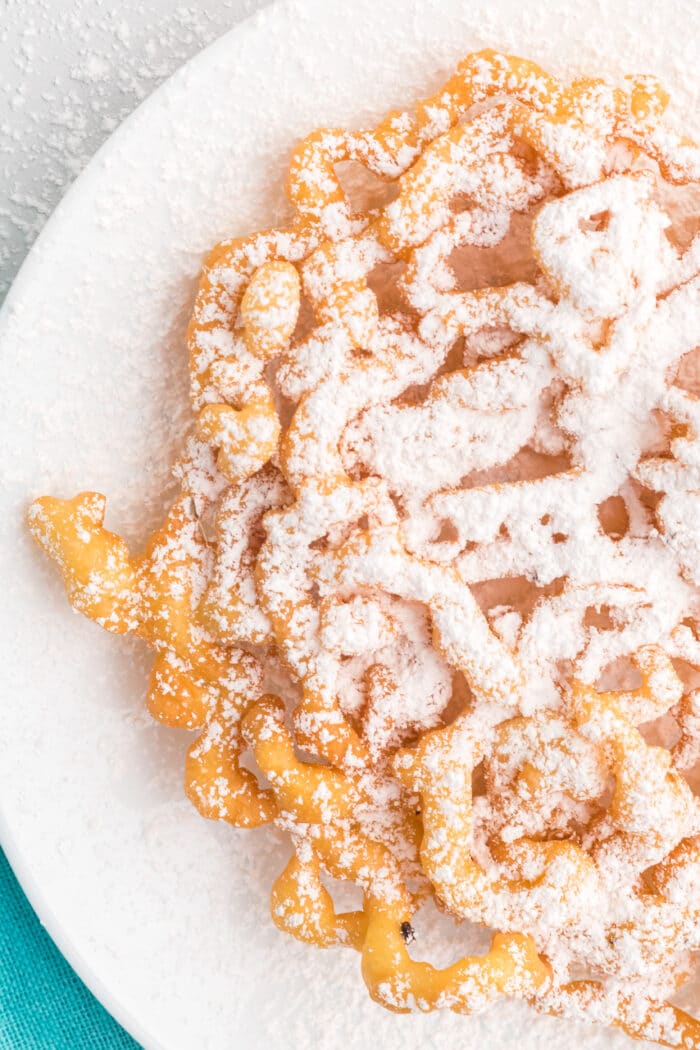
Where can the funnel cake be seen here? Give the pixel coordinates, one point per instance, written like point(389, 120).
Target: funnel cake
point(434, 561)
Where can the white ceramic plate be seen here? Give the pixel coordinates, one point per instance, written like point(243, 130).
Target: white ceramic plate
point(162, 913)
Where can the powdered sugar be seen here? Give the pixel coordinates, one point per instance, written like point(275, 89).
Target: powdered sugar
point(591, 326)
point(288, 1025)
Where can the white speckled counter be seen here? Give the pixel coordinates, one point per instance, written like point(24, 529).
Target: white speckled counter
point(70, 72)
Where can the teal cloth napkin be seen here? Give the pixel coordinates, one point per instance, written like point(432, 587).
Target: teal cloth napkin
point(43, 1004)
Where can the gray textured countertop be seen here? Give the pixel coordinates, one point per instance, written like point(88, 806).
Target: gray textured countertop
point(70, 72)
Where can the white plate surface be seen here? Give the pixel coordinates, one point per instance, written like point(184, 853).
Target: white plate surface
point(165, 915)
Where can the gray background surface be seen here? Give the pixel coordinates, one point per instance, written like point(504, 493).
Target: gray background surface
point(70, 72)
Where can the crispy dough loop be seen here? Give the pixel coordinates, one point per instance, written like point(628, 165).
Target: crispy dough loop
point(657, 1021)
point(395, 419)
point(194, 684)
point(301, 905)
point(95, 565)
point(652, 807)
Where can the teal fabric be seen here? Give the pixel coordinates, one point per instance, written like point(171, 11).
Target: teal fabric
point(43, 1004)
